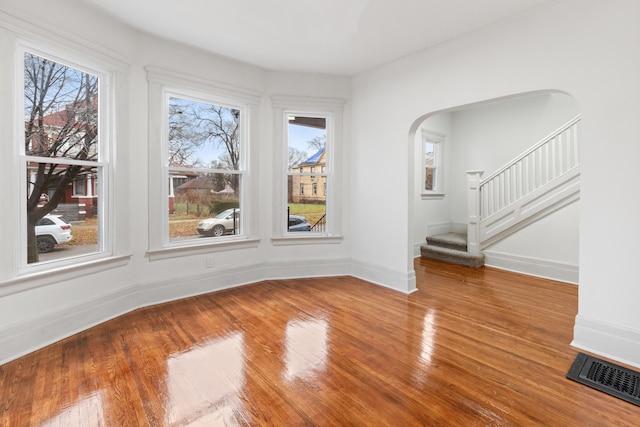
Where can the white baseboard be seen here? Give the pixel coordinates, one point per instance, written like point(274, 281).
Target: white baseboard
point(19, 339)
point(22, 338)
point(219, 279)
point(607, 340)
point(393, 279)
point(416, 249)
point(547, 269)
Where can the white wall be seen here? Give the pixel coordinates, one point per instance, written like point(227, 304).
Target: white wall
point(486, 137)
point(553, 47)
point(583, 47)
point(43, 307)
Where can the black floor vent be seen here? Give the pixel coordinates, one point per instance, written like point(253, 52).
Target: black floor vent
point(606, 377)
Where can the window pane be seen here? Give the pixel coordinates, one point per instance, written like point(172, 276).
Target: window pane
point(429, 154)
point(61, 110)
point(72, 228)
point(203, 135)
point(429, 180)
point(307, 137)
point(309, 207)
point(198, 202)
point(61, 117)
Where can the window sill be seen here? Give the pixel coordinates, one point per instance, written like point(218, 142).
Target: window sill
point(56, 274)
point(305, 240)
point(200, 248)
point(432, 196)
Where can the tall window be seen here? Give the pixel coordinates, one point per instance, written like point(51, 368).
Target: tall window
point(306, 150)
point(309, 130)
point(205, 168)
point(64, 142)
point(432, 163)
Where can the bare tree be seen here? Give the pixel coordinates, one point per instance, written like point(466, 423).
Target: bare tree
point(200, 124)
point(220, 126)
point(295, 158)
point(317, 142)
point(61, 123)
point(183, 141)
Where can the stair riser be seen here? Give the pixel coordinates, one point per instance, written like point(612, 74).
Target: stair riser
point(448, 245)
point(463, 258)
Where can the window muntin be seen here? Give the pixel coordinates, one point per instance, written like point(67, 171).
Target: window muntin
point(63, 119)
point(306, 137)
point(204, 167)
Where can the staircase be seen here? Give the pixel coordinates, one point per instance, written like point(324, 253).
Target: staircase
point(451, 248)
point(541, 180)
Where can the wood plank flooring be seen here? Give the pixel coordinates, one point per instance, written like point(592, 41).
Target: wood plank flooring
point(471, 348)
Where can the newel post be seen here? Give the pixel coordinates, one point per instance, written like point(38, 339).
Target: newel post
point(473, 204)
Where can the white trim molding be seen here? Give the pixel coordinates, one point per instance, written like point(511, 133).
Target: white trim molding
point(392, 279)
point(608, 340)
point(18, 339)
point(562, 272)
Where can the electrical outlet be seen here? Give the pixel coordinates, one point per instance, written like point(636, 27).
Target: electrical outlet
point(209, 262)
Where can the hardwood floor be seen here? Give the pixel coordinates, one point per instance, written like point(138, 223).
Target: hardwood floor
point(470, 348)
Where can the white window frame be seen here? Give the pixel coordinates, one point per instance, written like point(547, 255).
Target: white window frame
point(437, 139)
point(104, 164)
point(163, 85)
point(242, 172)
point(331, 109)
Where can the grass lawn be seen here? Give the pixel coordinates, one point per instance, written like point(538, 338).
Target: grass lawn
point(86, 232)
point(310, 211)
point(191, 209)
point(183, 224)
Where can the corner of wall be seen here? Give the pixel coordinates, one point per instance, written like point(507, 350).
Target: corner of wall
point(608, 340)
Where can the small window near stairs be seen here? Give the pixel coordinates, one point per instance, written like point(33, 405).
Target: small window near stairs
point(432, 173)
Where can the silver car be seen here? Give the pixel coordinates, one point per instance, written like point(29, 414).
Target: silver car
point(225, 222)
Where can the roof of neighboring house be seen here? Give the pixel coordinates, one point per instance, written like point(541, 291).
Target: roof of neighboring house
point(57, 119)
point(315, 159)
point(197, 184)
point(68, 115)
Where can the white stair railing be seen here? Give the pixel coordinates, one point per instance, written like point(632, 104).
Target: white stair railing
point(501, 192)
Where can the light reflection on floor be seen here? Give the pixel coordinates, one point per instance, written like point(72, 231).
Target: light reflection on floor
point(305, 348)
point(204, 382)
point(87, 411)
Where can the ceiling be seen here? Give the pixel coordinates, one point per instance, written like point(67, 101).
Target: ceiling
point(341, 37)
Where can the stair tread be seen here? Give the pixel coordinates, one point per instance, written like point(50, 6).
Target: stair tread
point(454, 256)
point(449, 240)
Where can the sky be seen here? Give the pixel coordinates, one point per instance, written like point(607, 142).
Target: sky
point(299, 135)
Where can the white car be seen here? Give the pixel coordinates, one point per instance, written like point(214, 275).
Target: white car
point(52, 230)
point(223, 223)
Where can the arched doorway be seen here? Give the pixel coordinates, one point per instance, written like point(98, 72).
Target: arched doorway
point(485, 136)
